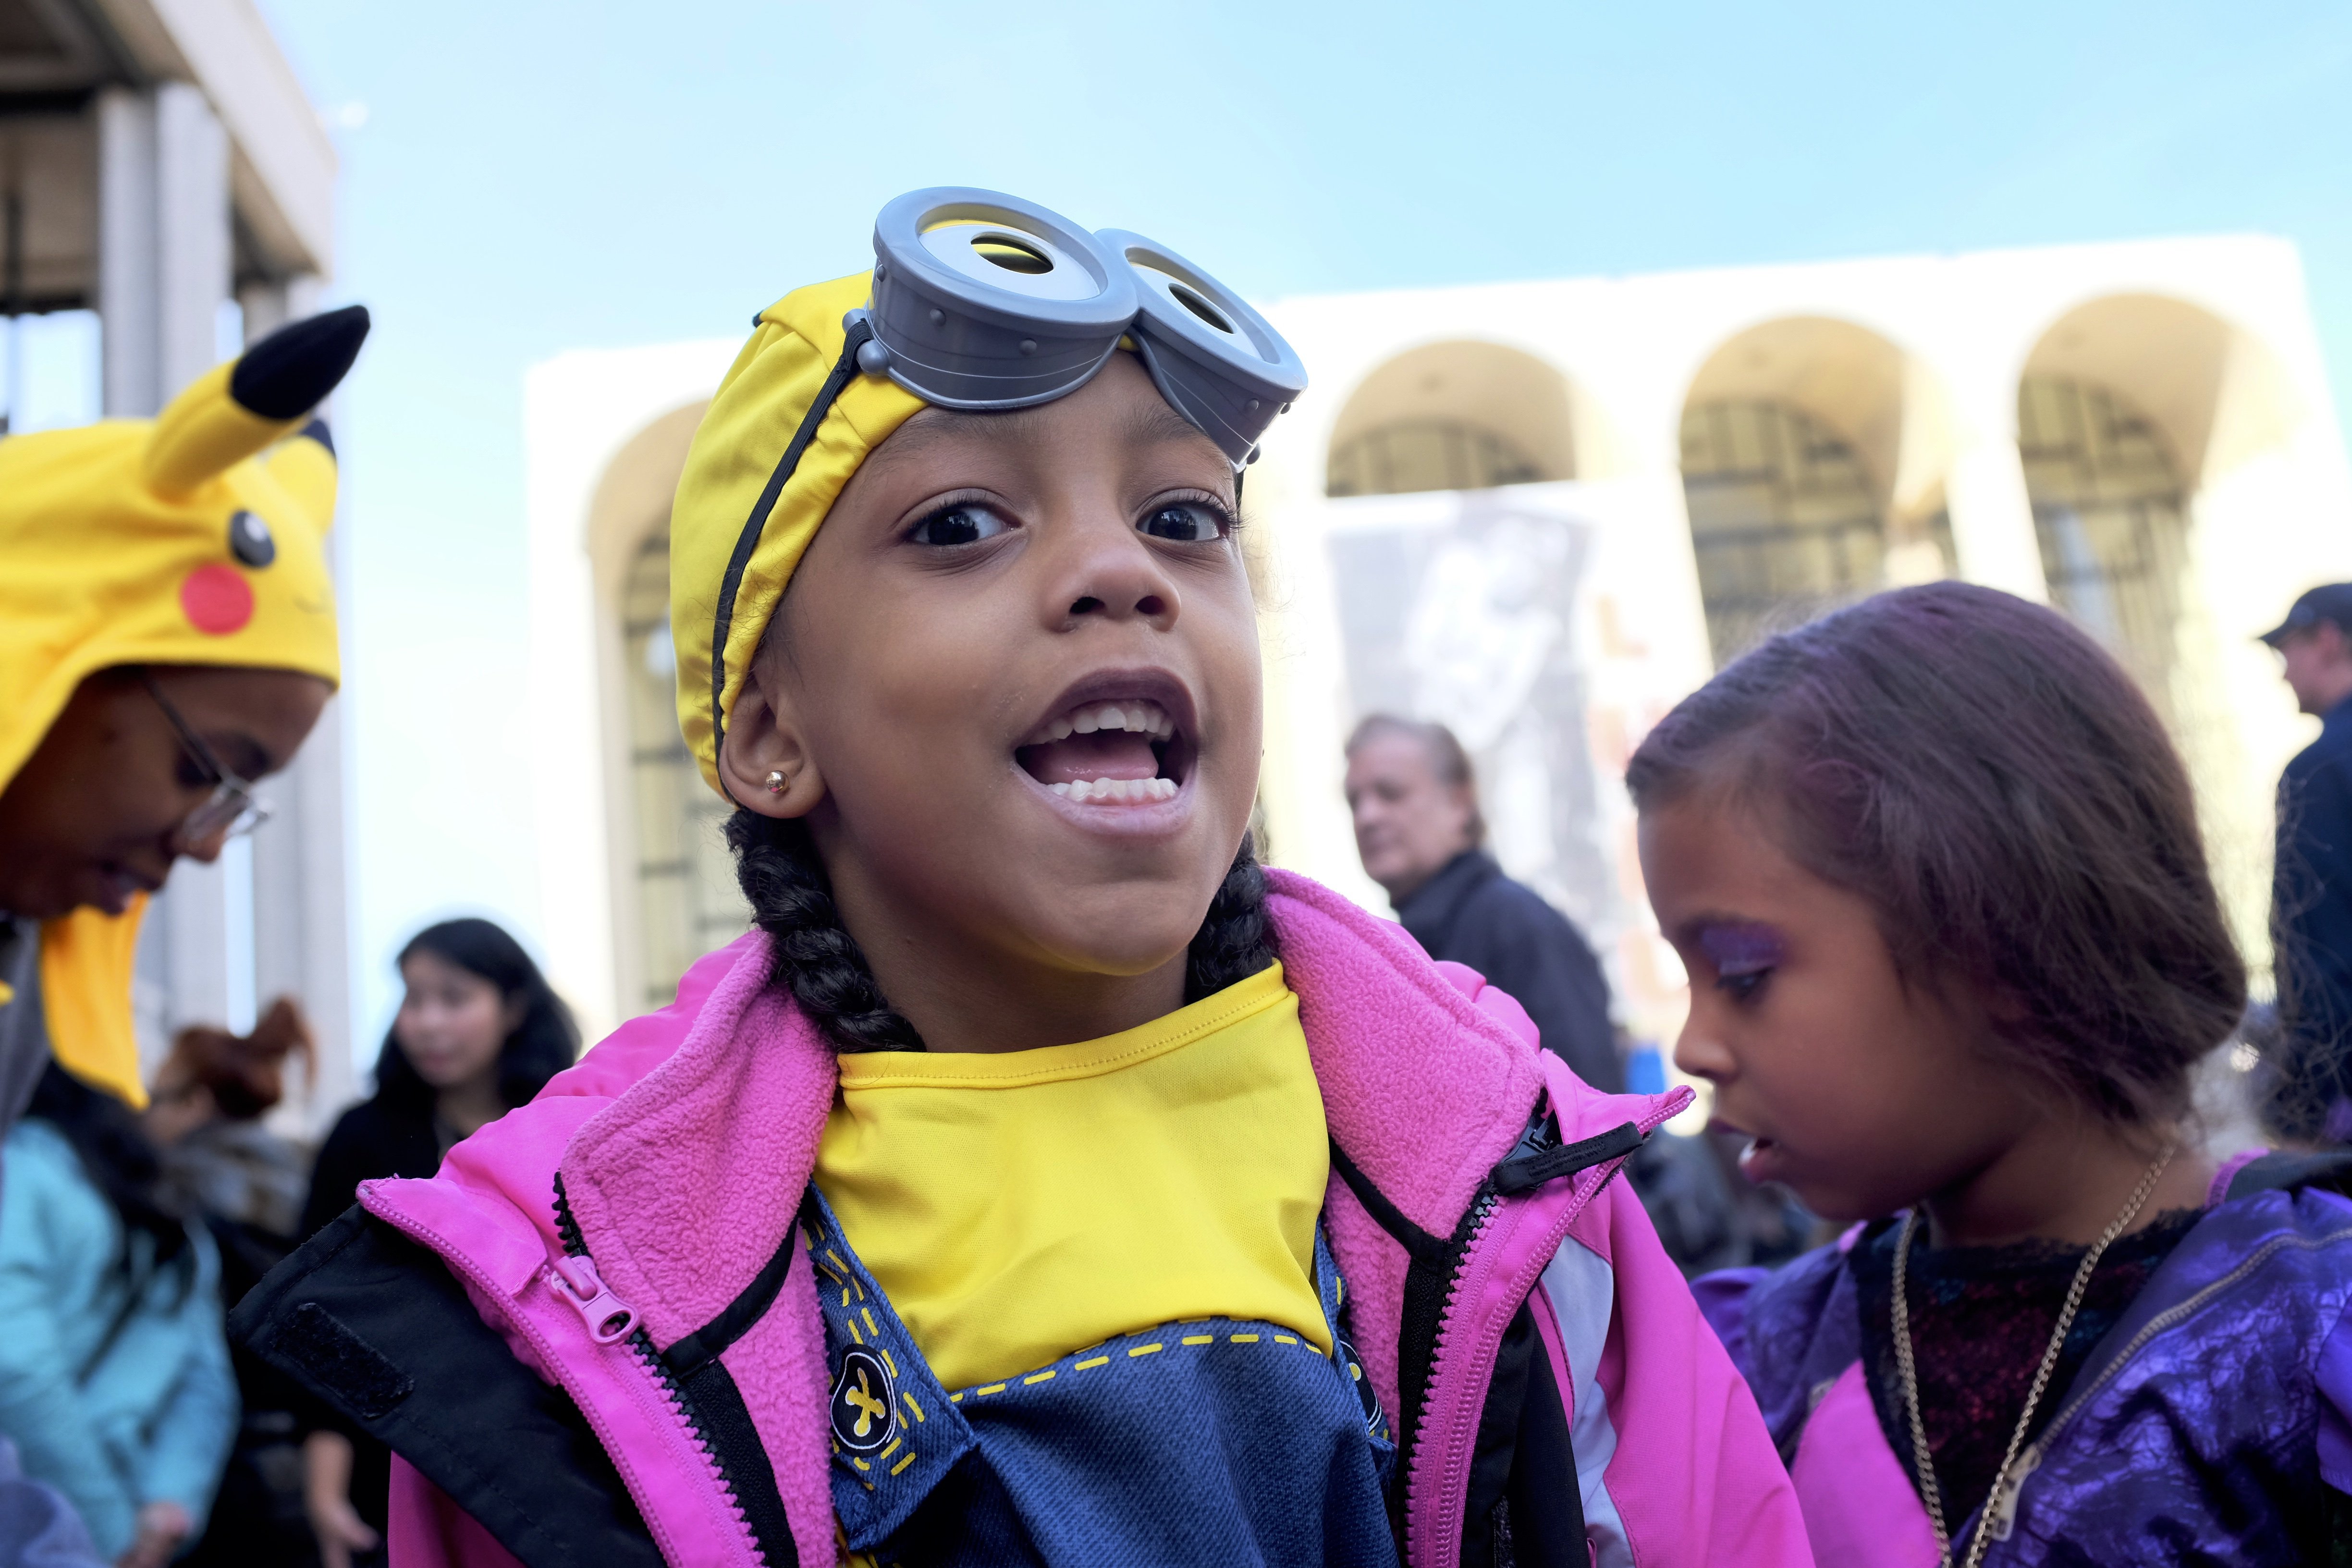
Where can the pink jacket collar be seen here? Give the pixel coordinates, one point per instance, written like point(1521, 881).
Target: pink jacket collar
point(685, 1140)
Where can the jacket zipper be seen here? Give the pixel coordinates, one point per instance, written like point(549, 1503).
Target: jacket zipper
point(1484, 1206)
point(2000, 1512)
point(463, 1266)
point(611, 1321)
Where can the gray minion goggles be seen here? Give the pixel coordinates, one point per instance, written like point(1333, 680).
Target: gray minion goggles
point(982, 300)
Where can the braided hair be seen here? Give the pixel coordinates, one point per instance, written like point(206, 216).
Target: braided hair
point(820, 965)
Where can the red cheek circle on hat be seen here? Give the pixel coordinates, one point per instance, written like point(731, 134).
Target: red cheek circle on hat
point(216, 599)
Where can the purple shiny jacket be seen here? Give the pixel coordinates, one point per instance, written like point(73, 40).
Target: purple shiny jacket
point(2213, 1424)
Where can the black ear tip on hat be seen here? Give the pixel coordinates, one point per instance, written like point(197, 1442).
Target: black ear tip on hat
point(290, 371)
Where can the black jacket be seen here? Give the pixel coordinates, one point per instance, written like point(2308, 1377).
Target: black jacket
point(372, 1140)
point(2311, 925)
point(1470, 914)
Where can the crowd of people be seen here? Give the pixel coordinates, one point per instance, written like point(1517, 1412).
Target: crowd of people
point(125, 1237)
point(1042, 1179)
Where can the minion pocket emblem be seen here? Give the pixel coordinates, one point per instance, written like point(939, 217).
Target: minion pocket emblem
point(865, 1403)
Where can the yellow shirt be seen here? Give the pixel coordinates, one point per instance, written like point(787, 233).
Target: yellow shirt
point(1015, 1207)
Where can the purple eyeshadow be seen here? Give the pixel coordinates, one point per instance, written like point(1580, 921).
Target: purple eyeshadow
point(1740, 948)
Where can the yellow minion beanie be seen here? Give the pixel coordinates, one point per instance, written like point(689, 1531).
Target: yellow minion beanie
point(790, 424)
point(197, 537)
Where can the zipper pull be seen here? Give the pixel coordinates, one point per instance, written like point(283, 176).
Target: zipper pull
point(610, 1320)
point(2000, 1508)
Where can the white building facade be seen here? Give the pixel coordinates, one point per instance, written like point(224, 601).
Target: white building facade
point(1542, 512)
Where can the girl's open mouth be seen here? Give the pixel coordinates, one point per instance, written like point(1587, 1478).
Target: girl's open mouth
point(1109, 751)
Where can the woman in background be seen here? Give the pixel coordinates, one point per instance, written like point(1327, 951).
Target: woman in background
point(478, 1033)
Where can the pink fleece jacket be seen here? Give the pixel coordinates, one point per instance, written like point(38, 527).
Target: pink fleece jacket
point(685, 1140)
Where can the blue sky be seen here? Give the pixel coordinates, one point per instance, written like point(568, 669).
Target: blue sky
point(527, 177)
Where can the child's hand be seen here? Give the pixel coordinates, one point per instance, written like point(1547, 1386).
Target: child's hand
point(163, 1526)
point(340, 1532)
point(327, 1498)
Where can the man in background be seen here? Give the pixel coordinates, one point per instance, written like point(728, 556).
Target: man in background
point(1419, 831)
point(2311, 901)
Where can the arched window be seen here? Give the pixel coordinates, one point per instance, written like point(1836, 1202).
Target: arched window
point(1461, 415)
point(688, 899)
point(1784, 520)
point(2108, 510)
point(1427, 455)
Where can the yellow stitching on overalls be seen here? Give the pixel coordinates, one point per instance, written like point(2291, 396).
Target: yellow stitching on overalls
point(1097, 1361)
point(879, 1345)
point(888, 1451)
point(1242, 1339)
point(851, 1323)
point(867, 1313)
point(1143, 1349)
point(1283, 1339)
point(1037, 1377)
point(1199, 1339)
point(903, 1463)
point(911, 1405)
point(994, 1388)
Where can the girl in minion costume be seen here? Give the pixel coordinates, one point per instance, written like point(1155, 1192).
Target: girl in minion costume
point(167, 635)
point(1042, 1181)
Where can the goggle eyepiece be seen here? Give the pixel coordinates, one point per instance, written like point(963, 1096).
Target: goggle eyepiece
point(983, 300)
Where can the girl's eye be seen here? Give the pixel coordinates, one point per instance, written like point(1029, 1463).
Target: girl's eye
point(1742, 985)
point(1187, 521)
point(964, 522)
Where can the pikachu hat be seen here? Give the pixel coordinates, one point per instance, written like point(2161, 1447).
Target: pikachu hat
point(197, 537)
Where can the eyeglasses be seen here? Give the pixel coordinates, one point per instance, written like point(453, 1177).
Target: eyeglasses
point(233, 810)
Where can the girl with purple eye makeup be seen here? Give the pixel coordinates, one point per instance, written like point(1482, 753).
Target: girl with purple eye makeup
point(1934, 868)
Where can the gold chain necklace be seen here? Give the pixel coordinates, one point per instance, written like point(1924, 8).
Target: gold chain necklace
point(1921, 1458)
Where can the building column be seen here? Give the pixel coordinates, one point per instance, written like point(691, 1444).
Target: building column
point(301, 929)
point(1991, 512)
point(127, 252)
point(164, 265)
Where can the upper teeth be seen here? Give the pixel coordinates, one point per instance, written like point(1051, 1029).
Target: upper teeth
point(1142, 717)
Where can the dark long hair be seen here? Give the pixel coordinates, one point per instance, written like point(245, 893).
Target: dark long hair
point(542, 1044)
point(2006, 801)
point(119, 1160)
point(820, 965)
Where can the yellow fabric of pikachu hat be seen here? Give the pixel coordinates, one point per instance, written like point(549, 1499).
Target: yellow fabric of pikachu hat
point(197, 537)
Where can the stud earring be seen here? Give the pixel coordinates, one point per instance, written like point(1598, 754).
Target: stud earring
point(777, 781)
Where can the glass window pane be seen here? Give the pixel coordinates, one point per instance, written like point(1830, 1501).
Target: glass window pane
point(688, 899)
point(2110, 515)
point(1783, 520)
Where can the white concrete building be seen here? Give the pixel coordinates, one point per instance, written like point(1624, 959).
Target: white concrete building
point(158, 165)
point(1543, 512)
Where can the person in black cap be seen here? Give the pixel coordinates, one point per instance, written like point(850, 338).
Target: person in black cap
point(2311, 900)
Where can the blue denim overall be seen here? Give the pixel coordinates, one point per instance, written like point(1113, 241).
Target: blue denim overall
point(1211, 1442)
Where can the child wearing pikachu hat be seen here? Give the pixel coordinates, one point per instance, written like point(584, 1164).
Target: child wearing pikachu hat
point(167, 636)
